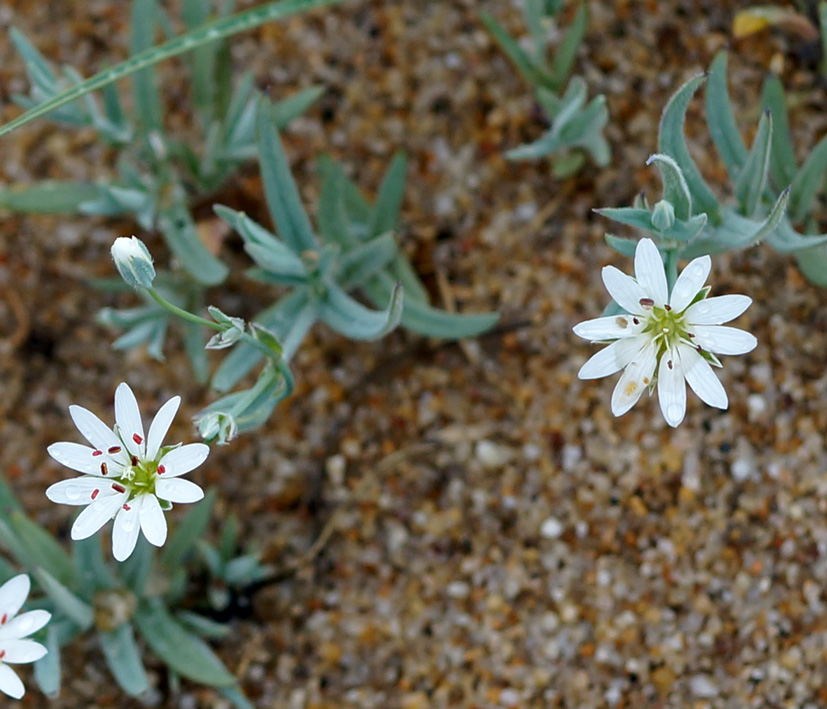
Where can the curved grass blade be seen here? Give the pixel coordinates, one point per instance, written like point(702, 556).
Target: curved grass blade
point(211, 32)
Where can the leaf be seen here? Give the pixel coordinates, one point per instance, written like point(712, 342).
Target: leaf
point(631, 216)
point(147, 99)
point(354, 320)
point(176, 224)
point(782, 156)
point(532, 73)
point(332, 216)
point(720, 119)
point(385, 213)
point(807, 182)
point(356, 205)
point(365, 260)
point(77, 610)
point(182, 651)
point(47, 668)
point(136, 569)
point(671, 141)
point(42, 548)
point(675, 188)
point(280, 189)
point(567, 49)
point(48, 197)
point(92, 574)
point(191, 529)
point(627, 247)
point(813, 264)
point(123, 657)
point(235, 696)
point(205, 627)
point(211, 32)
point(287, 109)
point(8, 501)
point(749, 186)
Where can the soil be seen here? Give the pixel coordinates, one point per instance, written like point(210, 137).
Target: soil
point(494, 537)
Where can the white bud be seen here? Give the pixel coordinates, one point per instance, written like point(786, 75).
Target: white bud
point(133, 261)
point(663, 215)
point(217, 425)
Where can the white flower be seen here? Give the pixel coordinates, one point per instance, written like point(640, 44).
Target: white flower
point(665, 337)
point(127, 475)
point(14, 649)
point(133, 261)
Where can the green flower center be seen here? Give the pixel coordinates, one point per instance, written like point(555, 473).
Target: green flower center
point(140, 478)
point(666, 327)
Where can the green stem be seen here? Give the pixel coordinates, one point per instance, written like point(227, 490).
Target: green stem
point(181, 313)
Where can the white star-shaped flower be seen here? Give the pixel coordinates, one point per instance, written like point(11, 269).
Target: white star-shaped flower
point(14, 648)
point(127, 475)
point(664, 337)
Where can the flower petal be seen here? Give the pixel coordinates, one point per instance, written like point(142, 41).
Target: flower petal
point(724, 340)
point(78, 457)
point(689, 283)
point(625, 290)
point(635, 378)
point(671, 387)
point(177, 490)
point(18, 651)
point(717, 310)
point(23, 625)
point(10, 683)
point(701, 378)
point(13, 594)
point(614, 327)
point(126, 528)
point(153, 522)
point(182, 460)
point(78, 491)
point(160, 425)
point(93, 429)
point(98, 513)
point(649, 271)
point(128, 419)
point(613, 358)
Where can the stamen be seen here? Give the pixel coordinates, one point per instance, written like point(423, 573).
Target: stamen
point(134, 460)
point(669, 364)
point(114, 449)
point(127, 507)
point(161, 470)
point(104, 469)
point(95, 493)
point(118, 488)
point(690, 334)
point(4, 619)
point(668, 307)
point(95, 454)
point(137, 438)
point(2, 654)
point(636, 321)
point(647, 302)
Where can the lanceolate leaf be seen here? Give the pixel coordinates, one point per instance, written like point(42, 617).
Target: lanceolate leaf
point(675, 188)
point(782, 157)
point(177, 225)
point(48, 197)
point(720, 119)
point(354, 320)
point(74, 608)
point(567, 50)
point(145, 82)
point(671, 141)
point(532, 73)
point(123, 656)
point(807, 182)
point(749, 186)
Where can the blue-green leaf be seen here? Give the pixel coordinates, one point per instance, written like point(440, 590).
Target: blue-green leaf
point(567, 49)
point(47, 668)
point(782, 157)
point(48, 197)
point(354, 320)
point(176, 224)
point(365, 260)
point(749, 186)
point(808, 181)
point(77, 610)
point(123, 656)
point(190, 530)
point(675, 188)
point(42, 548)
point(720, 119)
point(147, 98)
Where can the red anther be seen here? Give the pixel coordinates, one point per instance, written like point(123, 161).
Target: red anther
point(647, 302)
point(161, 470)
point(137, 438)
point(668, 307)
point(95, 493)
point(104, 469)
point(127, 508)
point(118, 488)
point(134, 460)
point(114, 449)
point(4, 619)
point(2, 654)
point(636, 321)
point(95, 454)
point(669, 364)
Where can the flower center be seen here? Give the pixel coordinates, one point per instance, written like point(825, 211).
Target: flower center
point(139, 477)
point(666, 327)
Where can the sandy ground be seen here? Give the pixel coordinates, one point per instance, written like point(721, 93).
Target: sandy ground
point(499, 539)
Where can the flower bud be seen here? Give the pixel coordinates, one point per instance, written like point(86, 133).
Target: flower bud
point(133, 261)
point(663, 215)
point(218, 426)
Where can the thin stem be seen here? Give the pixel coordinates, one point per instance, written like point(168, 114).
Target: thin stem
point(181, 313)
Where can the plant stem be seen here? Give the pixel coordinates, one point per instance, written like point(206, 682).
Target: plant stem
point(671, 268)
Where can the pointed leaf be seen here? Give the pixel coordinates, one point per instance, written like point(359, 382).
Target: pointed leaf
point(191, 528)
point(77, 610)
point(623, 246)
point(365, 260)
point(354, 320)
point(524, 64)
point(567, 49)
point(752, 178)
point(177, 226)
point(385, 214)
point(147, 99)
point(720, 119)
point(287, 109)
point(675, 188)
point(48, 197)
point(42, 548)
point(123, 657)
point(782, 157)
point(808, 181)
point(47, 668)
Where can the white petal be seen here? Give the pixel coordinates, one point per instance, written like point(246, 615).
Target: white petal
point(182, 460)
point(649, 271)
point(93, 429)
point(18, 651)
point(717, 310)
point(671, 387)
point(78, 457)
point(126, 528)
point(613, 358)
point(160, 425)
point(153, 522)
point(689, 283)
point(13, 594)
point(614, 327)
point(10, 683)
point(702, 379)
point(724, 340)
point(23, 625)
point(78, 491)
point(128, 418)
point(625, 290)
point(177, 490)
point(97, 514)
point(635, 379)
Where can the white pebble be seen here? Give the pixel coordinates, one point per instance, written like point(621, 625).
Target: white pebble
point(702, 686)
point(552, 528)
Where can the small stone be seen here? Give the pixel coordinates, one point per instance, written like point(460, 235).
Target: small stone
point(702, 686)
point(458, 589)
point(492, 455)
point(552, 528)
